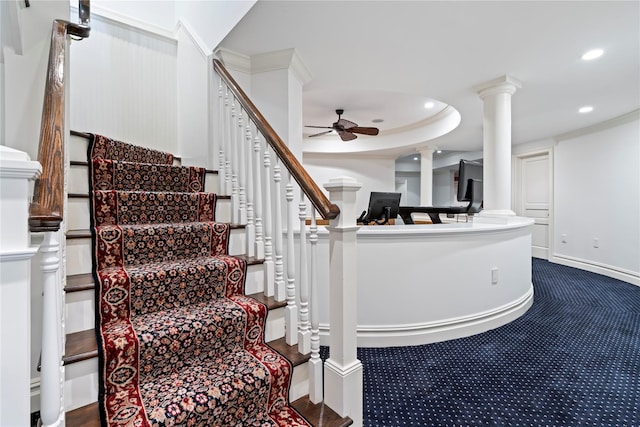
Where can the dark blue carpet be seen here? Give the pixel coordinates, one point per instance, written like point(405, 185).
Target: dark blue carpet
point(572, 360)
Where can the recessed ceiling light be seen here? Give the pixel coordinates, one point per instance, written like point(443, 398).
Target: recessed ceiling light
point(377, 120)
point(592, 54)
point(429, 104)
point(586, 109)
point(438, 151)
point(416, 158)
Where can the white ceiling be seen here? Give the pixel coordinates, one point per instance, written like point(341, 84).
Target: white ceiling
point(384, 59)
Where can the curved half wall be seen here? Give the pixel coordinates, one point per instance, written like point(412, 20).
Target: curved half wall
point(419, 284)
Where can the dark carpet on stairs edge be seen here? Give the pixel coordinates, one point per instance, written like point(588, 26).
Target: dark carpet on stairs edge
point(572, 360)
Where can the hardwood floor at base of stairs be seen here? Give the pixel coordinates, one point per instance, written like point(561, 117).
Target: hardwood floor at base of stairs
point(316, 414)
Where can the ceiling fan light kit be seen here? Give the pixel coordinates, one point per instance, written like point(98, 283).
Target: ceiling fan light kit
point(346, 129)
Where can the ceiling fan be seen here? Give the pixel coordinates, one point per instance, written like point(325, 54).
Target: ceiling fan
point(345, 128)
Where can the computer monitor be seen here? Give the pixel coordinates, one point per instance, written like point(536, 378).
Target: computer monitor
point(382, 207)
point(468, 170)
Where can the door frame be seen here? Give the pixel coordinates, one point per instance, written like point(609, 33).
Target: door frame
point(517, 189)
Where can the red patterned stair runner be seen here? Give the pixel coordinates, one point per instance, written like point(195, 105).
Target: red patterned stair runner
point(179, 342)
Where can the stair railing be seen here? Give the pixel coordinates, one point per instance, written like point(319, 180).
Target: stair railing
point(46, 216)
point(281, 170)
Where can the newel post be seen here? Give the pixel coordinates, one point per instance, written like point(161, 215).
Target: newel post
point(343, 371)
point(16, 170)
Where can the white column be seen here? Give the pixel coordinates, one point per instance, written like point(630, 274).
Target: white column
point(16, 170)
point(426, 177)
point(343, 371)
point(496, 184)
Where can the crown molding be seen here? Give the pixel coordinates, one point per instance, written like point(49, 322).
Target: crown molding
point(286, 59)
point(111, 17)
point(233, 60)
point(607, 124)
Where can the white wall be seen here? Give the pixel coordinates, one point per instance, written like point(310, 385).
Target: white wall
point(194, 109)
point(374, 173)
point(597, 196)
point(124, 85)
point(25, 67)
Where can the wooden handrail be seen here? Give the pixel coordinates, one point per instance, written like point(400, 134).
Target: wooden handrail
point(319, 200)
point(45, 212)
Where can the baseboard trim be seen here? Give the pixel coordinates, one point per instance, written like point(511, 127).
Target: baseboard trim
point(430, 332)
point(598, 268)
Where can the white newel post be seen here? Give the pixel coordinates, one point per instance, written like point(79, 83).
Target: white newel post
point(16, 170)
point(343, 371)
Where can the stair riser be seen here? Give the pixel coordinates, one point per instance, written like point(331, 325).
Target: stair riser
point(81, 383)
point(78, 182)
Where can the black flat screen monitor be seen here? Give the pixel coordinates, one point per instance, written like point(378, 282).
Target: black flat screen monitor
point(467, 170)
point(382, 207)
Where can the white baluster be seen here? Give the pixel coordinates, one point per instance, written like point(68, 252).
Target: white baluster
point(291, 311)
point(241, 165)
point(250, 230)
point(51, 367)
point(227, 143)
point(269, 275)
point(235, 197)
point(257, 178)
point(315, 363)
point(280, 291)
point(304, 331)
point(221, 140)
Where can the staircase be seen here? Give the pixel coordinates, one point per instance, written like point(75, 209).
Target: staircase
point(81, 353)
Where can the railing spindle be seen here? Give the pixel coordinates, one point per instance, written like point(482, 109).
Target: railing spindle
point(304, 331)
point(227, 142)
point(269, 268)
point(291, 311)
point(221, 144)
point(315, 363)
point(242, 165)
point(257, 178)
point(250, 229)
point(280, 291)
point(235, 197)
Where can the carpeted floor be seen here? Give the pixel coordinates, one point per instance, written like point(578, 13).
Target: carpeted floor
point(572, 360)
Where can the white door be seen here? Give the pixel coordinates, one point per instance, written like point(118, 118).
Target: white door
point(535, 197)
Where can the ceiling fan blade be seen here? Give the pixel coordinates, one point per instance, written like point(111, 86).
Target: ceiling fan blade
point(321, 133)
point(319, 127)
point(364, 131)
point(345, 124)
point(346, 136)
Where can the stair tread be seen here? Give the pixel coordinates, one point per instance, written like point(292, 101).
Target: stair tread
point(319, 414)
point(316, 414)
point(289, 351)
point(80, 346)
point(85, 233)
point(79, 282)
point(270, 302)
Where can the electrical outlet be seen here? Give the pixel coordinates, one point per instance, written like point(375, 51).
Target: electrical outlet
point(494, 276)
point(596, 242)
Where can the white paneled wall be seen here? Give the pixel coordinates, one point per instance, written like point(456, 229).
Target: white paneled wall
point(124, 85)
point(597, 198)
